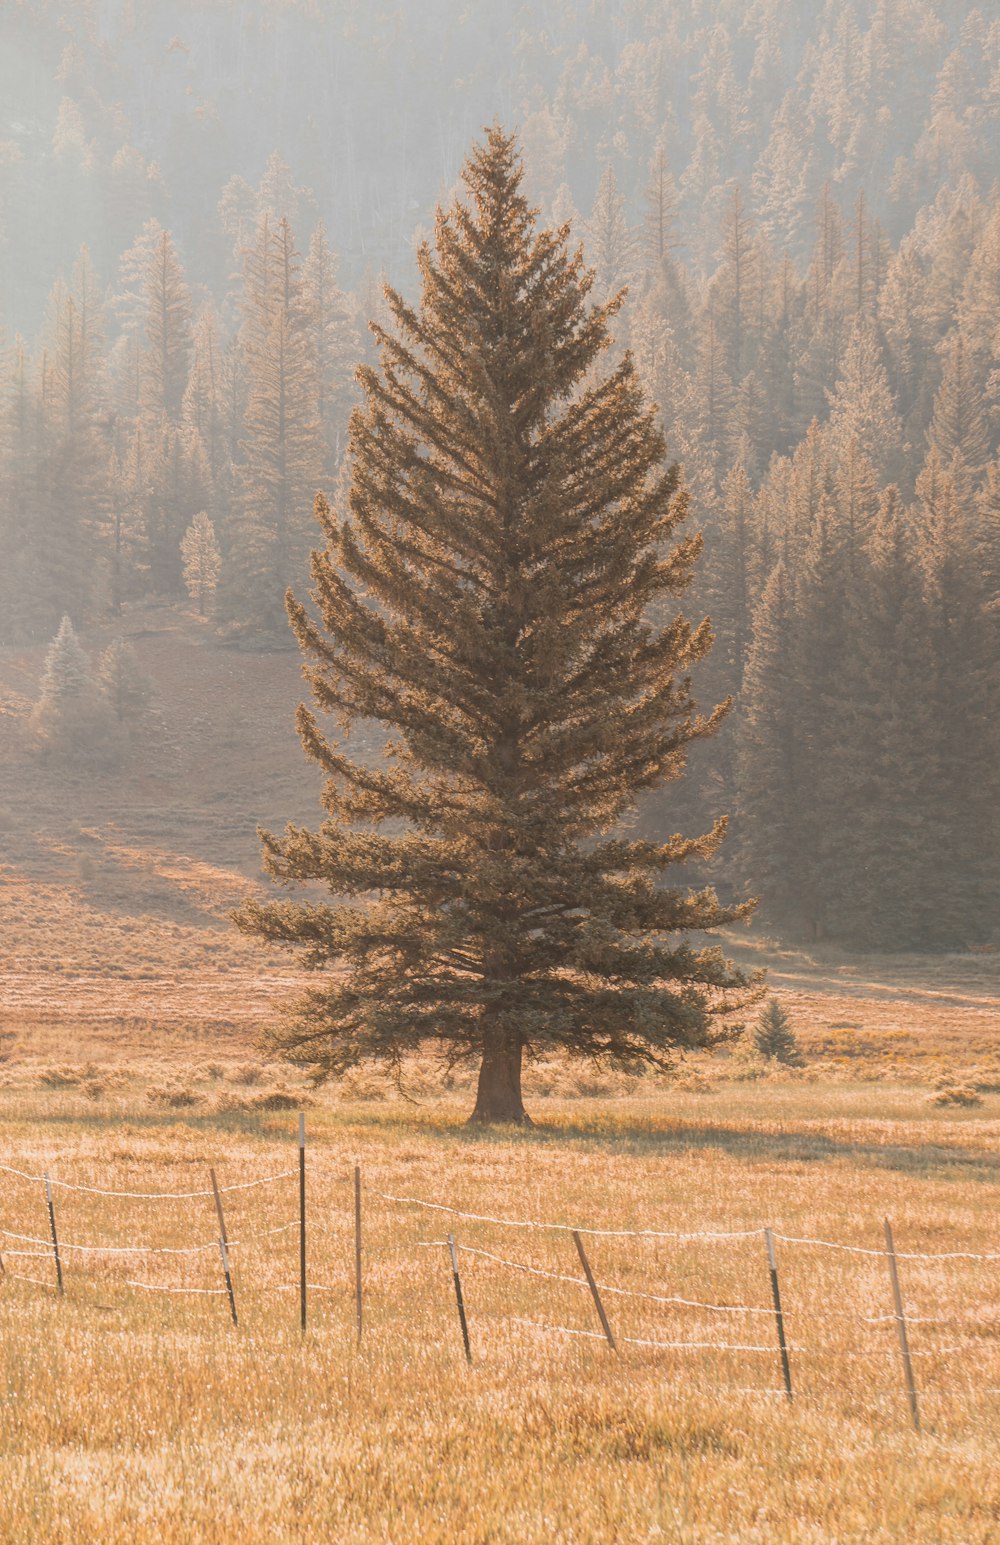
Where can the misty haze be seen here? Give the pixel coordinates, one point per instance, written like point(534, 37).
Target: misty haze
point(499, 820)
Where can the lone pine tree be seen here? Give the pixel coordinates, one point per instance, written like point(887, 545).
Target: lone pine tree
point(773, 1036)
point(487, 595)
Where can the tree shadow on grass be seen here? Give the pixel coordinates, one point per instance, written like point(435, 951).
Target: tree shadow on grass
point(928, 1161)
point(922, 1161)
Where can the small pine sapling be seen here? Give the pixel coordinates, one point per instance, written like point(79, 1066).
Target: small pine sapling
point(773, 1036)
point(70, 715)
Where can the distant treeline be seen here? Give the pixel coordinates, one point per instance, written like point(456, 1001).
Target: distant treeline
point(803, 212)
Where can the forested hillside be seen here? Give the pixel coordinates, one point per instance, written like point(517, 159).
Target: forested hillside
point(199, 201)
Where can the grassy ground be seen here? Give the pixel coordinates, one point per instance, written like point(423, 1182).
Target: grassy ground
point(129, 1011)
point(132, 1414)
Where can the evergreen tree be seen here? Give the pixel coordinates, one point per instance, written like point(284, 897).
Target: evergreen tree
point(783, 175)
point(70, 715)
point(167, 355)
point(610, 243)
point(733, 577)
point(889, 838)
point(331, 330)
point(825, 320)
point(488, 598)
point(22, 538)
point(730, 297)
point(72, 465)
point(857, 496)
point(205, 415)
point(988, 539)
point(771, 832)
point(282, 449)
point(174, 484)
point(958, 426)
point(773, 1036)
point(124, 533)
point(67, 673)
point(660, 212)
point(980, 304)
point(793, 493)
point(665, 301)
point(123, 683)
point(202, 561)
point(962, 693)
point(822, 648)
point(705, 433)
point(910, 341)
point(861, 407)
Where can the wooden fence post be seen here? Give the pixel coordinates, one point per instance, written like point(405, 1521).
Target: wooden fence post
point(458, 1295)
point(904, 1344)
point(224, 1246)
point(302, 1219)
point(593, 1288)
point(357, 1247)
point(55, 1237)
point(779, 1318)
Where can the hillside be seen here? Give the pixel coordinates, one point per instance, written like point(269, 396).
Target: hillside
point(116, 884)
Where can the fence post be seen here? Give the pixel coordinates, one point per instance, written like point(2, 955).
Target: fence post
point(302, 1219)
point(904, 1344)
point(357, 1247)
point(779, 1318)
point(593, 1288)
point(55, 1237)
point(458, 1296)
point(224, 1246)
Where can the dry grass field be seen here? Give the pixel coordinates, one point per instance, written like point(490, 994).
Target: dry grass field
point(132, 1414)
point(129, 1018)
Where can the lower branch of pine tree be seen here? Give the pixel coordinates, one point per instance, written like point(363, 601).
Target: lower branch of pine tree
point(498, 1096)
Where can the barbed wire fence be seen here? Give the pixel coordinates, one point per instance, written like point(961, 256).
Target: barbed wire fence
point(18, 1245)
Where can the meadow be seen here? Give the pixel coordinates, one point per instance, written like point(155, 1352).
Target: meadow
point(132, 1413)
point(130, 1061)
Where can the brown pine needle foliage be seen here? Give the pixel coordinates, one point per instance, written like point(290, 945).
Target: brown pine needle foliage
point(489, 595)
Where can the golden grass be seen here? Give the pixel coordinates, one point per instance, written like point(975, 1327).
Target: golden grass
point(131, 1415)
point(128, 1011)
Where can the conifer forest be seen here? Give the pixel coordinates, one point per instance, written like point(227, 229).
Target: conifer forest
point(801, 203)
point(499, 772)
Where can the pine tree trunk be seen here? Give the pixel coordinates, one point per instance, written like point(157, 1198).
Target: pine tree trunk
point(498, 1097)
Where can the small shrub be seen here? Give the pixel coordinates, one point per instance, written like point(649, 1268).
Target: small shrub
point(773, 1036)
point(250, 1073)
point(173, 1096)
point(749, 1066)
point(955, 1094)
point(229, 1104)
point(278, 1099)
point(692, 1081)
